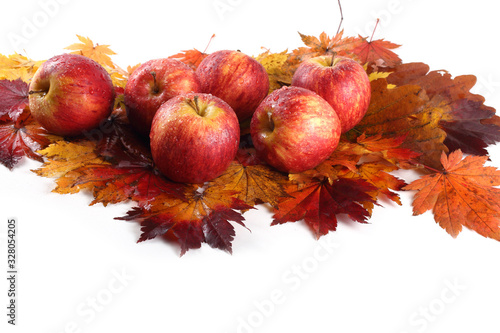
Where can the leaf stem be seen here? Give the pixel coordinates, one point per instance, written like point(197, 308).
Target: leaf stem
point(341, 17)
point(375, 28)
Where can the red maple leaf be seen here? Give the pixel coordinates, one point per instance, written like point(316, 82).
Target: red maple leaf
point(318, 203)
point(21, 137)
point(13, 98)
point(202, 217)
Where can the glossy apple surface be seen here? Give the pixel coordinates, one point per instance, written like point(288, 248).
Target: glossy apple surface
point(341, 81)
point(294, 129)
point(235, 77)
point(194, 137)
point(70, 94)
point(152, 84)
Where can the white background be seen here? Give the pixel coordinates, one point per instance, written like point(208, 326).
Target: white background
point(397, 274)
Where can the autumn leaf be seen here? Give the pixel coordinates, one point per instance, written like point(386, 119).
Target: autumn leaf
point(116, 141)
point(111, 184)
point(371, 159)
point(253, 184)
point(404, 111)
point(192, 58)
point(462, 194)
point(378, 174)
point(203, 216)
point(463, 115)
point(338, 45)
point(377, 147)
point(377, 52)
point(22, 137)
point(274, 64)
point(98, 53)
point(13, 98)
point(62, 158)
point(80, 166)
point(17, 66)
point(318, 203)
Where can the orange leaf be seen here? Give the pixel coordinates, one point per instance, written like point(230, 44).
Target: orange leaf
point(377, 52)
point(404, 111)
point(463, 194)
point(192, 58)
point(254, 184)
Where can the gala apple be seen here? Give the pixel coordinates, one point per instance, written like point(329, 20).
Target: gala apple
point(194, 137)
point(235, 77)
point(70, 94)
point(152, 84)
point(294, 129)
point(341, 81)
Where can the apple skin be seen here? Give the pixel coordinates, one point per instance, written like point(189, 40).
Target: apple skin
point(194, 137)
point(294, 129)
point(71, 94)
point(152, 84)
point(342, 82)
point(235, 77)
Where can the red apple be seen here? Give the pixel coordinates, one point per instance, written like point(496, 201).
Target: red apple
point(152, 84)
point(194, 137)
point(70, 94)
point(343, 82)
point(294, 129)
point(235, 77)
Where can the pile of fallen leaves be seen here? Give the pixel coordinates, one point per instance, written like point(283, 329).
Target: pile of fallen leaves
point(418, 119)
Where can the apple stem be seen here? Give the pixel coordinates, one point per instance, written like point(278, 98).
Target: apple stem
point(156, 89)
point(333, 58)
point(271, 122)
point(31, 92)
point(194, 104)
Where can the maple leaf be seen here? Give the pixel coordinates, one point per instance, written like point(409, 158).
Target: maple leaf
point(253, 184)
point(62, 158)
point(463, 194)
point(203, 216)
point(377, 52)
point(404, 111)
point(337, 45)
point(17, 66)
point(116, 140)
point(13, 98)
point(370, 159)
point(80, 165)
point(98, 53)
point(463, 115)
point(318, 203)
point(22, 137)
point(274, 64)
point(377, 174)
point(376, 147)
point(118, 183)
point(192, 58)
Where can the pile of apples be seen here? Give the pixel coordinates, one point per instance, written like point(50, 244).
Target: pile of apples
point(193, 117)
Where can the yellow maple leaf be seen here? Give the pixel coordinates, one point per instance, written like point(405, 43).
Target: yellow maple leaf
point(98, 53)
point(63, 158)
point(273, 63)
point(17, 66)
